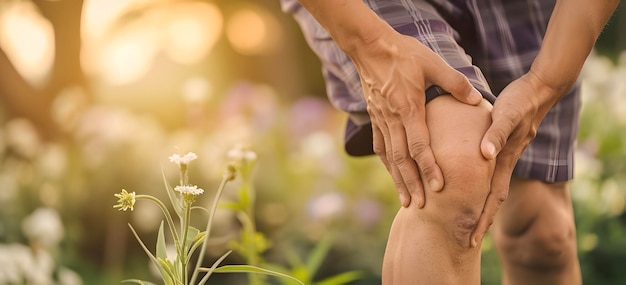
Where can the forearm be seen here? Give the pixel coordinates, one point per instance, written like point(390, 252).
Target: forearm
point(350, 23)
point(571, 34)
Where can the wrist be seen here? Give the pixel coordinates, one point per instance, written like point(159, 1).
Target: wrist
point(546, 94)
point(366, 37)
point(557, 82)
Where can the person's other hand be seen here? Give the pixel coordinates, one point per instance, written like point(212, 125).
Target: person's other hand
point(516, 115)
point(395, 72)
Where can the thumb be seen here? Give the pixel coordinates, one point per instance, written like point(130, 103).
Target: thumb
point(495, 138)
point(458, 85)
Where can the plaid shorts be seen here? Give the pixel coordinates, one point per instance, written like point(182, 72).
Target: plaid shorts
point(491, 42)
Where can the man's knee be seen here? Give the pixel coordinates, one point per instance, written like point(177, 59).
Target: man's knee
point(546, 238)
point(541, 247)
point(456, 130)
point(467, 177)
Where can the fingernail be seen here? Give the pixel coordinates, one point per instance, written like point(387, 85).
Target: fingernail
point(434, 185)
point(491, 149)
point(403, 200)
point(475, 96)
point(474, 243)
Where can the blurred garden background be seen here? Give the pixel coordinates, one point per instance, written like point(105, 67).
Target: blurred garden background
point(96, 94)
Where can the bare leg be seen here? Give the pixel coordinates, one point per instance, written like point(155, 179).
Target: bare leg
point(432, 245)
point(535, 235)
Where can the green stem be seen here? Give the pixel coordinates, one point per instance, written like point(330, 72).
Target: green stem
point(247, 220)
point(183, 249)
point(216, 200)
point(168, 217)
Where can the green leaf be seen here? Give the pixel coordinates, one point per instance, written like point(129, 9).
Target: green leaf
point(244, 197)
point(210, 271)
point(230, 205)
point(253, 269)
point(137, 281)
point(161, 251)
point(342, 278)
point(191, 235)
point(150, 255)
point(196, 243)
point(318, 255)
point(176, 203)
point(167, 271)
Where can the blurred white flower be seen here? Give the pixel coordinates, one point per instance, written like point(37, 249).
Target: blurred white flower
point(183, 160)
point(43, 226)
point(587, 166)
point(196, 90)
point(326, 205)
point(69, 277)
point(14, 260)
point(22, 137)
point(9, 186)
point(21, 265)
point(241, 153)
point(613, 198)
point(189, 189)
point(597, 69)
point(318, 144)
point(53, 160)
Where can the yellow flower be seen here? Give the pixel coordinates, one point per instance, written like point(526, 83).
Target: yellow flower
point(126, 200)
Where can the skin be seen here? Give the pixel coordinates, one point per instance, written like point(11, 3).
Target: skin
point(572, 31)
point(393, 68)
point(535, 235)
point(435, 239)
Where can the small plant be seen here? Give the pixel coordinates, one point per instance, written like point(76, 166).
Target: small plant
point(187, 239)
point(251, 243)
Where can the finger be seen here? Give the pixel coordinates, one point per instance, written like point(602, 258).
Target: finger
point(380, 148)
point(499, 191)
point(455, 83)
point(419, 148)
point(403, 161)
point(387, 158)
point(496, 137)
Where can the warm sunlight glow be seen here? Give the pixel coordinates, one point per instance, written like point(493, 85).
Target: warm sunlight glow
point(128, 57)
point(253, 31)
point(121, 39)
point(192, 31)
point(97, 17)
point(28, 41)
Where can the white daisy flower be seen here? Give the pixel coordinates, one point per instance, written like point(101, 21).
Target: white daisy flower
point(189, 189)
point(185, 159)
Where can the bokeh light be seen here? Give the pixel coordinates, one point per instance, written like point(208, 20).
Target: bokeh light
point(122, 41)
point(192, 31)
point(253, 31)
point(27, 38)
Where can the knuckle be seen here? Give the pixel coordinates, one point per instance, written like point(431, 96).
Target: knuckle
point(402, 110)
point(500, 198)
point(532, 132)
point(399, 157)
point(417, 149)
point(379, 149)
point(458, 79)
